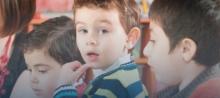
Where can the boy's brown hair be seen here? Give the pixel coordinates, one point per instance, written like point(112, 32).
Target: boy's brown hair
point(195, 19)
point(57, 37)
point(128, 10)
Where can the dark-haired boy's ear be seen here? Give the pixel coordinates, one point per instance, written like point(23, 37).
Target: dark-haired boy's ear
point(133, 37)
point(188, 49)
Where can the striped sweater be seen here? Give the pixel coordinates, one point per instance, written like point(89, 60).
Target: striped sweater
point(122, 82)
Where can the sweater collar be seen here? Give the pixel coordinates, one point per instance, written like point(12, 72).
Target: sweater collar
point(115, 65)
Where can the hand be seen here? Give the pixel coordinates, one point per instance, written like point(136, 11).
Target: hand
point(71, 72)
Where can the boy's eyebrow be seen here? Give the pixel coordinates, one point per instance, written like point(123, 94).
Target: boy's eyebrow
point(101, 21)
point(105, 21)
point(79, 22)
point(39, 65)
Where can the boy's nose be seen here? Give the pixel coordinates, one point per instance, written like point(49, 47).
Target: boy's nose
point(34, 79)
point(92, 40)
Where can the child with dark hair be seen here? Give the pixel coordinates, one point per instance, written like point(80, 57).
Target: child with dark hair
point(184, 46)
point(46, 48)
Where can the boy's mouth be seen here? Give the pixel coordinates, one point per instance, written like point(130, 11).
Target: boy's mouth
point(37, 91)
point(92, 56)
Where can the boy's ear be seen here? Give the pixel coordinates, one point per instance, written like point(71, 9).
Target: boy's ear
point(133, 37)
point(188, 49)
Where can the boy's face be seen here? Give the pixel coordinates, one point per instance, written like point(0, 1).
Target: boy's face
point(101, 38)
point(44, 72)
point(165, 64)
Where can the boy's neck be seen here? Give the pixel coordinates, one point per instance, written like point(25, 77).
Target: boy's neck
point(121, 60)
point(192, 70)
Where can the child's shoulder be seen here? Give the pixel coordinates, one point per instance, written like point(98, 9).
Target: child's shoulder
point(127, 74)
point(208, 89)
point(122, 82)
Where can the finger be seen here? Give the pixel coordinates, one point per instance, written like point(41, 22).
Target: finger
point(88, 76)
point(72, 65)
point(89, 65)
point(81, 71)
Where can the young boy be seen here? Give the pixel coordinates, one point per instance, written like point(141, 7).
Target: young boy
point(46, 48)
point(184, 46)
point(105, 31)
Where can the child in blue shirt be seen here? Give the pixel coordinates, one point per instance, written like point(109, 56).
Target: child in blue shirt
point(46, 48)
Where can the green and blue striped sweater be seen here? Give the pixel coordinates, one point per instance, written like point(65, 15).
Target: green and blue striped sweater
point(123, 82)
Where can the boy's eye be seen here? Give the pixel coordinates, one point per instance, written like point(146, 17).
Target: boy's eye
point(103, 31)
point(150, 46)
point(152, 41)
point(42, 70)
point(29, 69)
point(84, 31)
